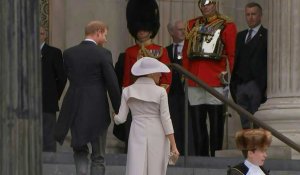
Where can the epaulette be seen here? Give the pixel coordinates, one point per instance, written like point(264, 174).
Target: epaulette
point(226, 18)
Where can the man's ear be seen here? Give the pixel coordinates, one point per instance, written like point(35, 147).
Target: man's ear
point(250, 153)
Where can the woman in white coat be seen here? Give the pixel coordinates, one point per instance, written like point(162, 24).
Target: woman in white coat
point(151, 133)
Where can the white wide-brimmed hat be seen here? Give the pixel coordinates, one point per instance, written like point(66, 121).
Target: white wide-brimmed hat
point(148, 65)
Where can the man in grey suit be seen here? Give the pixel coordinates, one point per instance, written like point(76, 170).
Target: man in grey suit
point(249, 76)
point(54, 80)
point(176, 93)
point(85, 109)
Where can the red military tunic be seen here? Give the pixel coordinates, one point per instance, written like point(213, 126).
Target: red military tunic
point(132, 54)
point(208, 70)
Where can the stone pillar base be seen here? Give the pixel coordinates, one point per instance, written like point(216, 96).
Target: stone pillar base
point(282, 114)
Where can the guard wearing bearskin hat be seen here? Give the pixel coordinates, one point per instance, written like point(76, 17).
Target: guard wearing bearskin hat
point(143, 24)
point(253, 143)
point(208, 49)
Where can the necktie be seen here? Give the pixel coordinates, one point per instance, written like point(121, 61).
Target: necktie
point(249, 35)
point(175, 55)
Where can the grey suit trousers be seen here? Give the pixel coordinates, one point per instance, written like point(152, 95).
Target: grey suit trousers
point(97, 157)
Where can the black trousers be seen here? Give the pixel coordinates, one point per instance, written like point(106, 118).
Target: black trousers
point(202, 141)
point(249, 97)
point(97, 157)
point(49, 143)
point(176, 106)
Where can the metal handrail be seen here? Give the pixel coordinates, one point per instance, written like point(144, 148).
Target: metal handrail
point(236, 107)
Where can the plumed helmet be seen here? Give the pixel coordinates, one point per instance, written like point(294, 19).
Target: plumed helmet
point(142, 15)
point(206, 2)
point(252, 139)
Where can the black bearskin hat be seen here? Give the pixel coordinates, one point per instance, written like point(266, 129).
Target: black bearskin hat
point(142, 15)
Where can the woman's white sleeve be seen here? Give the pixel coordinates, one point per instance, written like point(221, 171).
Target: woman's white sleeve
point(165, 114)
point(121, 117)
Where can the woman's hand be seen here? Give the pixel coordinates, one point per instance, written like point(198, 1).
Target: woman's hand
point(174, 150)
point(174, 155)
point(113, 114)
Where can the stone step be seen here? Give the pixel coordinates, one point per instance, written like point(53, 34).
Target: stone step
point(62, 163)
point(62, 169)
point(69, 169)
point(274, 152)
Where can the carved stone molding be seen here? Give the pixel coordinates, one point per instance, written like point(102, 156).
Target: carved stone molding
point(44, 14)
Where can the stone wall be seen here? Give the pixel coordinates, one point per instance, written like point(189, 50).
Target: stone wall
point(69, 17)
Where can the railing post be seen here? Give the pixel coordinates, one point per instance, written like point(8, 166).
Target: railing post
point(186, 122)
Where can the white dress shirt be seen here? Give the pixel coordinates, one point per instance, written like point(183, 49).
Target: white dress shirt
point(179, 48)
point(254, 31)
point(42, 45)
point(253, 169)
point(90, 40)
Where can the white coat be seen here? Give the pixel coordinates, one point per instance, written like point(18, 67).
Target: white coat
point(148, 146)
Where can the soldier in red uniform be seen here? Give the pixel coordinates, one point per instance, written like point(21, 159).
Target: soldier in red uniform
point(208, 50)
point(143, 24)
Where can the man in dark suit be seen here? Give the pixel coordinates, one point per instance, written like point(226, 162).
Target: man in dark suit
point(85, 109)
point(122, 131)
point(53, 82)
point(249, 77)
point(176, 93)
point(119, 69)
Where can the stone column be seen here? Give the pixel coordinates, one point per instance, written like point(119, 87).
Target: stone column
point(20, 88)
point(282, 109)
